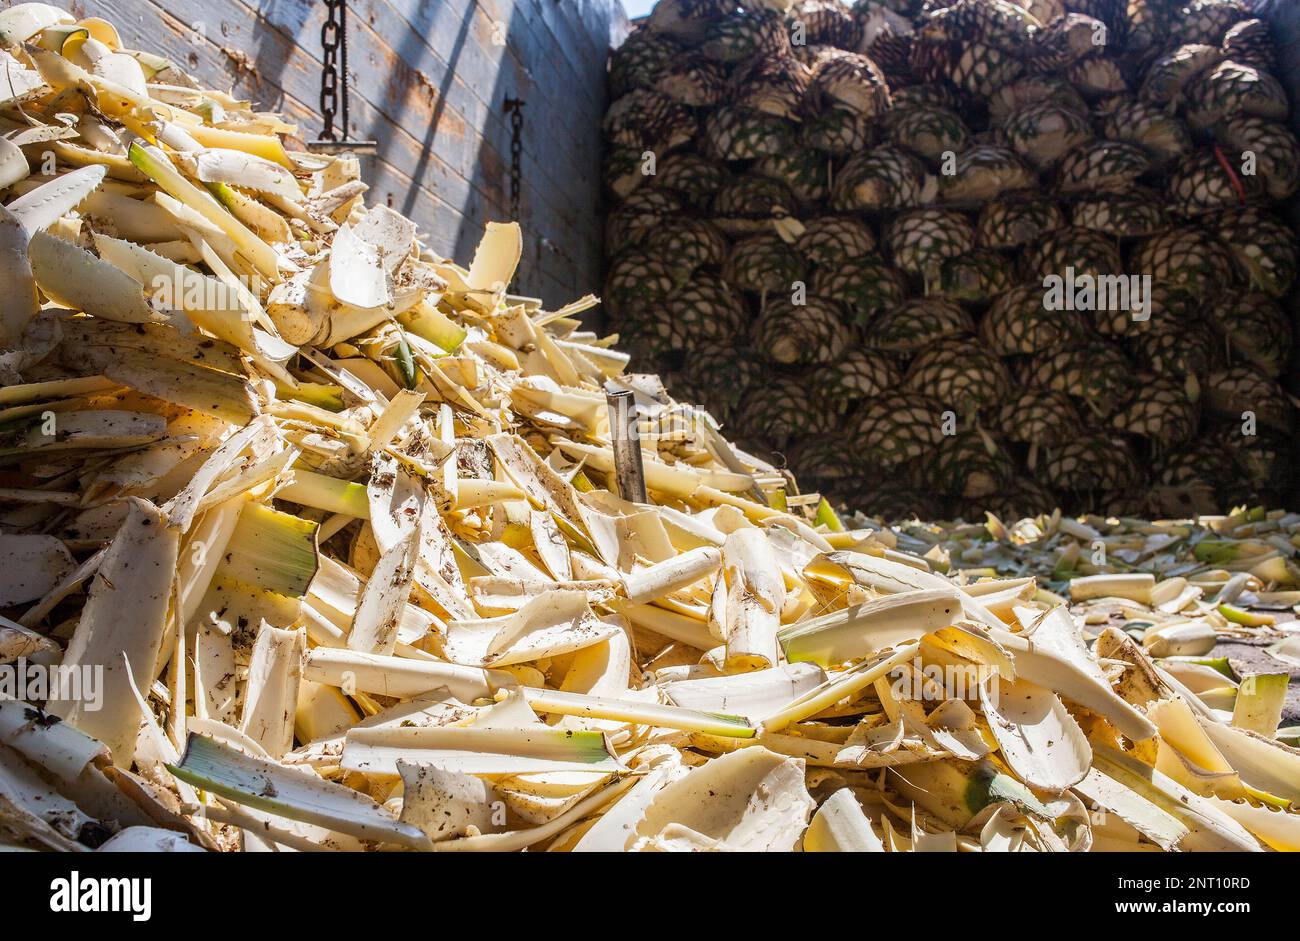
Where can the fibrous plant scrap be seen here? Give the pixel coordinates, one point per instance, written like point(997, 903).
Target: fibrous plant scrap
point(314, 539)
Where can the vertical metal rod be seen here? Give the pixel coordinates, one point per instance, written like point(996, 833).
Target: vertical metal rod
point(629, 472)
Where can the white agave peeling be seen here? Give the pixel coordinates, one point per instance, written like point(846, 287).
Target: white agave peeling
point(30, 566)
point(357, 274)
point(840, 826)
point(217, 165)
point(555, 622)
point(488, 751)
point(443, 803)
point(24, 20)
point(749, 800)
point(273, 678)
point(122, 627)
point(1037, 735)
point(397, 464)
point(756, 695)
point(751, 591)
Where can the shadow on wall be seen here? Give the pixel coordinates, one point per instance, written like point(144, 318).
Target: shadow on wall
point(551, 54)
point(269, 60)
point(491, 174)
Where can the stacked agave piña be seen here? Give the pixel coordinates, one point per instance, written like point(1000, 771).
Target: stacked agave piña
point(919, 169)
point(324, 523)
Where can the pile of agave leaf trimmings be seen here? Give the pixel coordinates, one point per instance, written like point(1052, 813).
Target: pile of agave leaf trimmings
point(334, 538)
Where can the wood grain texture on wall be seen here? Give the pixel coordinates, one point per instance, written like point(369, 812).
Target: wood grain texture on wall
point(428, 82)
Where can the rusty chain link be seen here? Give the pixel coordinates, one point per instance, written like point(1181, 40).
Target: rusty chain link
point(334, 56)
point(515, 108)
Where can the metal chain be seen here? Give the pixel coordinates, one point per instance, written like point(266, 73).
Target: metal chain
point(515, 108)
point(333, 41)
point(343, 64)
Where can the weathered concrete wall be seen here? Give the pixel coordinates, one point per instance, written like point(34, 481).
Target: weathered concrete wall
point(428, 84)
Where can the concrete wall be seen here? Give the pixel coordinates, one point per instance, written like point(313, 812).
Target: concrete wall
point(428, 83)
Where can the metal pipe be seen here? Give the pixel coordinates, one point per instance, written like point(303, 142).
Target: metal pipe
point(629, 472)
